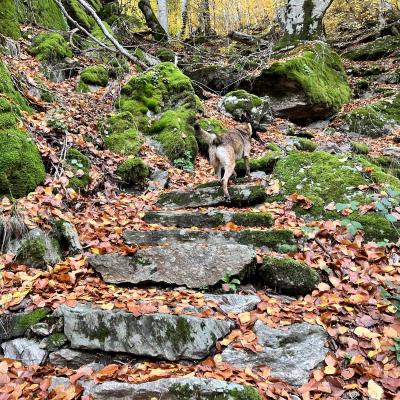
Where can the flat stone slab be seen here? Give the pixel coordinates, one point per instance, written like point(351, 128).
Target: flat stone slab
point(25, 350)
point(291, 354)
point(241, 196)
point(168, 389)
point(165, 336)
point(234, 303)
point(273, 238)
point(190, 264)
point(209, 219)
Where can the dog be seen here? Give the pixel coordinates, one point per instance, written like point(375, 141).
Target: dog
point(225, 150)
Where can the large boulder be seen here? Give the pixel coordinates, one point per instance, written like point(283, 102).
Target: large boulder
point(376, 119)
point(185, 388)
point(163, 104)
point(196, 264)
point(374, 50)
point(309, 84)
point(325, 178)
point(165, 336)
point(291, 353)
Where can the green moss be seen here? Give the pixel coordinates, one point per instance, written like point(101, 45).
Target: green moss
point(376, 119)
point(26, 320)
point(117, 123)
point(306, 145)
point(8, 90)
point(376, 227)
point(239, 103)
point(78, 162)
point(265, 163)
point(166, 55)
point(7, 121)
point(55, 341)
point(95, 75)
point(21, 167)
point(126, 143)
point(316, 70)
point(261, 219)
point(248, 393)
point(273, 238)
point(374, 50)
point(133, 171)
point(8, 19)
point(180, 334)
point(50, 47)
point(80, 15)
point(82, 87)
point(288, 276)
point(359, 148)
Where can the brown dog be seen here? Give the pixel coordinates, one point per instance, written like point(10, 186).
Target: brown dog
point(225, 150)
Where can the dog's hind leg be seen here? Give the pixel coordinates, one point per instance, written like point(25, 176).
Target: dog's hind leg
point(247, 166)
point(229, 170)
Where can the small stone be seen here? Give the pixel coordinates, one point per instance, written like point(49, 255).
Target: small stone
point(234, 303)
point(158, 179)
point(41, 329)
point(25, 350)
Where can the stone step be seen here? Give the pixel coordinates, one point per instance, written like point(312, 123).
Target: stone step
point(186, 388)
point(208, 219)
point(165, 336)
point(241, 196)
point(275, 239)
point(194, 264)
point(291, 353)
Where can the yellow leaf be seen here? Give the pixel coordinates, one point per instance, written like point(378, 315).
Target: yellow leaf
point(244, 318)
point(20, 294)
point(342, 330)
point(360, 331)
point(330, 370)
point(107, 306)
point(374, 390)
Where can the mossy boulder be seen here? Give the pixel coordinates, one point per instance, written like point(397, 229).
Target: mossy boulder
point(288, 276)
point(374, 50)
point(80, 15)
point(126, 143)
point(9, 25)
point(38, 250)
point(305, 144)
point(50, 48)
point(376, 119)
point(163, 104)
point(166, 55)
point(8, 90)
point(8, 118)
point(240, 103)
point(133, 172)
point(266, 163)
point(325, 178)
point(92, 77)
point(359, 148)
point(21, 166)
point(309, 84)
point(80, 167)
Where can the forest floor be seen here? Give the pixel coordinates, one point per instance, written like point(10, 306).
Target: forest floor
point(361, 323)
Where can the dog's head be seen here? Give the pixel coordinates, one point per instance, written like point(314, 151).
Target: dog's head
point(254, 127)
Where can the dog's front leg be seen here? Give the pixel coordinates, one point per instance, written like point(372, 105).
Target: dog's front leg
point(247, 166)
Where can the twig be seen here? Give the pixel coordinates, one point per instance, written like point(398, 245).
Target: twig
point(320, 244)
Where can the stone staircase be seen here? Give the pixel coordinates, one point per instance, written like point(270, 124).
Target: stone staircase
point(173, 255)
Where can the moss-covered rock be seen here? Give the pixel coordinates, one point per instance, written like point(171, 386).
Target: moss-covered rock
point(8, 90)
point(95, 75)
point(240, 103)
point(80, 15)
point(309, 84)
point(288, 276)
point(359, 148)
point(133, 172)
point(8, 19)
point(126, 143)
point(306, 145)
point(80, 166)
point(50, 47)
point(265, 163)
point(166, 55)
point(376, 119)
point(167, 95)
point(375, 50)
point(21, 167)
point(116, 123)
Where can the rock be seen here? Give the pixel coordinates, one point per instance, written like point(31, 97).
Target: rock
point(41, 329)
point(288, 276)
point(68, 237)
point(234, 303)
point(377, 119)
point(15, 325)
point(259, 175)
point(273, 238)
point(165, 336)
point(195, 264)
point(133, 172)
point(239, 104)
point(241, 196)
point(393, 151)
point(291, 354)
point(170, 388)
point(36, 249)
point(374, 50)
point(24, 350)
point(158, 179)
point(334, 148)
point(74, 359)
point(208, 219)
point(310, 84)
point(92, 77)
point(391, 78)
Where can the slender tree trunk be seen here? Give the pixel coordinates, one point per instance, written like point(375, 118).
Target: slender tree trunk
point(205, 17)
point(163, 14)
point(185, 15)
point(304, 19)
point(152, 21)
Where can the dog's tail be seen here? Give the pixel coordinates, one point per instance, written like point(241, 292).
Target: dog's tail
point(208, 137)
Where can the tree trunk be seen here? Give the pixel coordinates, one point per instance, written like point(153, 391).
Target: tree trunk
point(163, 14)
point(205, 17)
point(185, 15)
point(303, 19)
point(152, 21)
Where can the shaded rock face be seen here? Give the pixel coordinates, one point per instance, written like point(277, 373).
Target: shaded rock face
point(25, 350)
point(164, 336)
point(241, 196)
point(291, 354)
point(374, 50)
point(309, 85)
point(67, 358)
point(171, 389)
point(193, 264)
